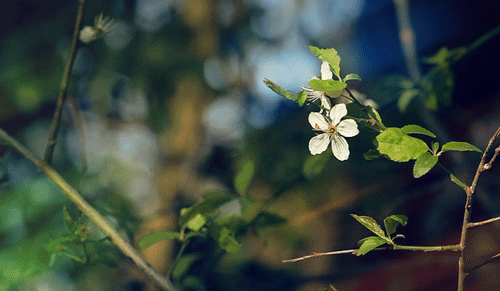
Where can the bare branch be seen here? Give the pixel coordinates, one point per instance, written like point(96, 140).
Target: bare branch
point(472, 224)
point(490, 260)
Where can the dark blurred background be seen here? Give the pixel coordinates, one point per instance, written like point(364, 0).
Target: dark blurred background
point(171, 103)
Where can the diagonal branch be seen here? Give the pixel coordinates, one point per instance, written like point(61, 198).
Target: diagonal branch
point(54, 128)
point(89, 211)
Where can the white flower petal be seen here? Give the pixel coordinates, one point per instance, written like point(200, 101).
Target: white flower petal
point(340, 148)
point(348, 128)
point(338, 111)
point(326, 74)
point(318, 121)
point(319, 143)
point(325, 102)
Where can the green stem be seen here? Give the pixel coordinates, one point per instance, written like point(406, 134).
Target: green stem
point(54, 128)
point(428, 249)
point(89, 211)
point(478, 42)
point(178, 257)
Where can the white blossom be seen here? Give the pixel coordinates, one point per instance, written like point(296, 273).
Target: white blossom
point(334, 130)
point(312, 95)
point(102, 25)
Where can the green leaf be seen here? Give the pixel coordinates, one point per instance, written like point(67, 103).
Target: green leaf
point(437, 87)
point(209, 205)
point(398, 236)
point(459, 146)
point(435, 147)
point(227, 241)
point(314, 164)
point(424, 163)
point(301, 98)
point(280, 90)
point(412, 128)
point(406, 97)
point(244, 177)
point(68, 220)
point(439, 58)
point(369, 243)
point(372, 155)
point(392, 222)
point(196, 222)
point(351, 76)
point(329, 85)
point(184, 264)
point(267, 219)
point(371, 224)
point(152, 238)
point(399, 146)
point(328, 55)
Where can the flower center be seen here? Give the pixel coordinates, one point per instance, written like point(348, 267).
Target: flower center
point(332, 130)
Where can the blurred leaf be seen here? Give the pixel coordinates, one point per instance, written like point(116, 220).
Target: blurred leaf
point(424, 163)
point(437, 87)
point(196, 222)
point(392, 222)
point(244, 177)
point(412, 129)
point(185, 262)
point(280, 90)
point(315, 164)
point(328, 55)
point(209, 205)
point(327, 85)
point(351, 76)
point(399, 146)
point(371, 224)
point(439, 58)
point(68, 220)
point(459, 146)
point(267, 219)
point(227, 241)
point(406, 97)
point(372, 155)
point(435, 147)
point(152, 238)
point(368, 244)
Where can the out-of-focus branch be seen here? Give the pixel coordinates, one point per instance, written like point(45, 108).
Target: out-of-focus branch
point(89, 211)
point(54, 128)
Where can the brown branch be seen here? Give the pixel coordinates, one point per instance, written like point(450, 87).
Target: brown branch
point(472, 224)
point(54, 128)
point(468, 207)
point(490, 260)
point(315, 255)
point(89, 211)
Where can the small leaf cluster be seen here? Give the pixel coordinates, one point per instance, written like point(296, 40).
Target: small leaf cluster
point(203, 220)
point(382, 237)
point(78, 244)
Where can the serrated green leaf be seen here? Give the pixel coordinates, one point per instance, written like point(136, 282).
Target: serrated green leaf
point(459, 146)
point(406, 97)
point(329, 85)
point(152, 238)
point(369, 243)
point(328, 55)
point(209, 205)
point(244, 177)
point(416, 129)
point(424, 163)
point(280, 90)
point(301, 98)
point(371, 224)
point(314, 164)
point(351, 76)
point(392, 222)
point(399, 146)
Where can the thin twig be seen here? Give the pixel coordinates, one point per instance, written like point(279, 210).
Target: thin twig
point(89, 211)
point(395, 247)
point(490, 260)
point(472, 224)
point(54, 128)
point(468, 209)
